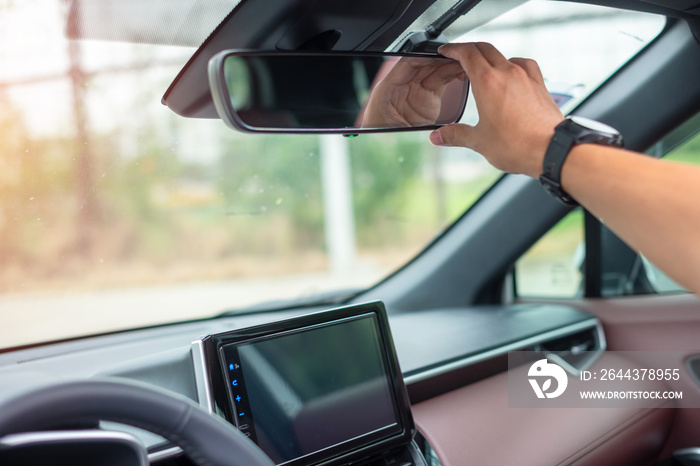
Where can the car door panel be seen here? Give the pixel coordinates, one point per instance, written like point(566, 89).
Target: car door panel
point(666, 329)
point(475, 425)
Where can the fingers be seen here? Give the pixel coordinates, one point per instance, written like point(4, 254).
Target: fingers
point(468, 55)
point(401, 71)
point(453, 135)
point(479, 57)
point(442, 75)
point(491, 54)
point(517, 115)
point(438, 71)
point(474, 57)
point(531, 68)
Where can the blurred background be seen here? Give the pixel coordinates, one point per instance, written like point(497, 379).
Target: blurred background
point(117, 213)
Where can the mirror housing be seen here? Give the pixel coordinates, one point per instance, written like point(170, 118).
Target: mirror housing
point(342, 92)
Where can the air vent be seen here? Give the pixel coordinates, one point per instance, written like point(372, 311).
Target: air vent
point(575, 352)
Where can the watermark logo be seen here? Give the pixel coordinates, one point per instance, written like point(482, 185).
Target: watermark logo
point(599, 379)
point(543, 369)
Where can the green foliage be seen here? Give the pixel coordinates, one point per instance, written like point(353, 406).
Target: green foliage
point(687, 153)
point(128, 201)
point(278, 175)
point(384, 169)
point(154, 207)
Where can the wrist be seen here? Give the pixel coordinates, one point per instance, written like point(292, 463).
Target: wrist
point(539, 143)
point(536, 164)
point(567, 135)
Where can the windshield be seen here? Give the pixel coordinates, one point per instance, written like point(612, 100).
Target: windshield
point(577, 46)
point(116, 213)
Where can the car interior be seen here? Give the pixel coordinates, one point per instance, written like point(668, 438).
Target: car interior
point(414, 368)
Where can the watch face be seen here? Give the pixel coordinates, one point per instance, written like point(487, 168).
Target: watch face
point(594, 125)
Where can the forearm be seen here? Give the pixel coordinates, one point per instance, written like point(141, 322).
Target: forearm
point(654, 205)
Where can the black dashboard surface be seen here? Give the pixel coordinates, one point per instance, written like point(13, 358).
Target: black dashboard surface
point(435, 348)
point(429, 339)
point(423, 339)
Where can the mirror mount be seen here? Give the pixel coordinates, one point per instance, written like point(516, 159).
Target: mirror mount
point(323, 41)
point(422, 42)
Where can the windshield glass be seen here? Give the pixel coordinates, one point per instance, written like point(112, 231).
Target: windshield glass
point(577, 46)
point(116, 213)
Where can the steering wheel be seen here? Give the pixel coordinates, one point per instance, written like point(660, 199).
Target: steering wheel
point(206, 439)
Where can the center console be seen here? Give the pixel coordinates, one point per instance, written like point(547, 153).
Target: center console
point(321, 389)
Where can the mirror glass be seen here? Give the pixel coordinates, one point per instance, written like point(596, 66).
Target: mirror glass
point(347, 93)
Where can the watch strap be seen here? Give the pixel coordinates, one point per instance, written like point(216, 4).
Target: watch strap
point(573, 130)
point(554, 158)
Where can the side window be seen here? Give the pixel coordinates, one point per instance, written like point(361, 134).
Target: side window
point(555, 266)
point(688, 152)
point(552, 267)
point(659, 281)
point(685, 148)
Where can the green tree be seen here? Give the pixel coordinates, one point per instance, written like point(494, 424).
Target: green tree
point(384, 168)
point(264, 176)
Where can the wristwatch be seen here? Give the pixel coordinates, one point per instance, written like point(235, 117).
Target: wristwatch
point(573, 130)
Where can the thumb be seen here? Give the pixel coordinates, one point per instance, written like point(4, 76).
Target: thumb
point(453, 135)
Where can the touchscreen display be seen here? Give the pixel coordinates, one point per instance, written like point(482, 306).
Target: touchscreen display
point(303, 391)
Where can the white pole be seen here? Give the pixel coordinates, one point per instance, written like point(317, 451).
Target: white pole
point(337, 203)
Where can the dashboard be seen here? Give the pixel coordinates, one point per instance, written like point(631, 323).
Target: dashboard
point(406, 369)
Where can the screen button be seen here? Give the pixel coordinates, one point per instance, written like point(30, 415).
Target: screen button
point(245, 429)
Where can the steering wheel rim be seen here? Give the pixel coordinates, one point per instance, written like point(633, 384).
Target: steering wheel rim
point(206, 439)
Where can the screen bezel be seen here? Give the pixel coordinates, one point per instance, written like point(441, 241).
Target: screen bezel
point(369, 444)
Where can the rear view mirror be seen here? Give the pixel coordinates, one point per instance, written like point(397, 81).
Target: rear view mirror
point(336, 93)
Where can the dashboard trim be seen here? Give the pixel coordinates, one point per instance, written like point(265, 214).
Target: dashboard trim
point(201, 376)
point(574, 370)
point(503, 350)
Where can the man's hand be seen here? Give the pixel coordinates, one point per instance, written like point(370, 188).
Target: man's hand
point(649, 203)
point(411, 93)
point(517, 115)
